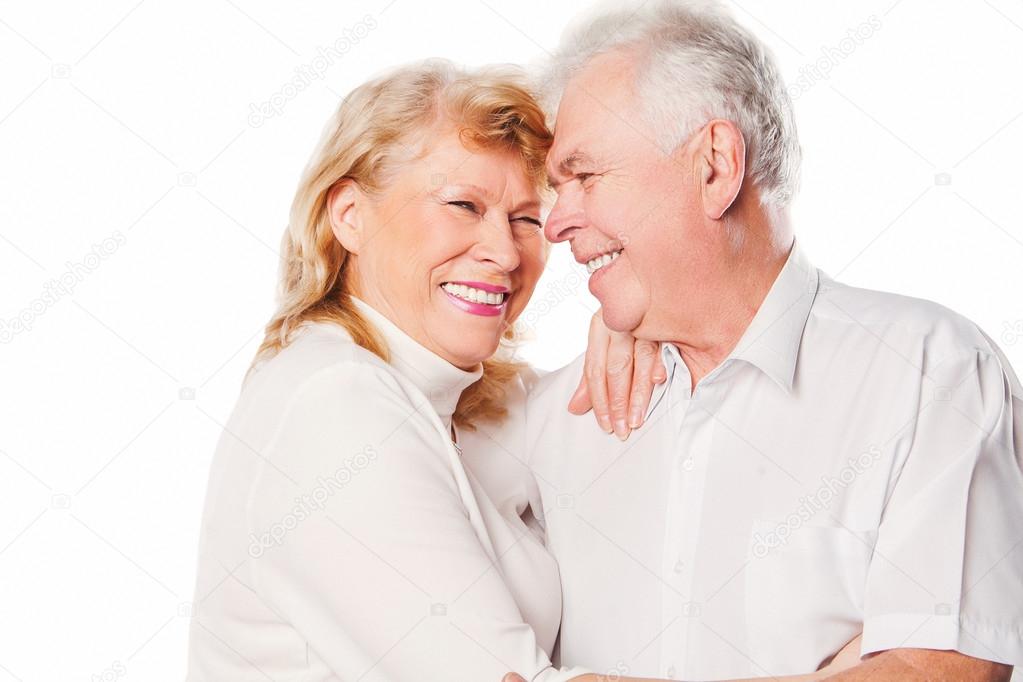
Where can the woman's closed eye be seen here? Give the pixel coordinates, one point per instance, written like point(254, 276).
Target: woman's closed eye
point(522, 224)
point(526, 227)
point(468, 205)
point(529, 220)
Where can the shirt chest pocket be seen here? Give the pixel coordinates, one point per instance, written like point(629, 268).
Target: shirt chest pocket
point(804, 593)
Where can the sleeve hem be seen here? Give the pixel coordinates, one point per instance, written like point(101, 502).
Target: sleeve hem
point(944, 632)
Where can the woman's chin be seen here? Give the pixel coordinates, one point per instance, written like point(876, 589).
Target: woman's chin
point(467, 355)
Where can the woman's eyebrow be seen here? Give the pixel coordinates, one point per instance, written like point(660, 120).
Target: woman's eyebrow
point(482, 191)
point(529, 205)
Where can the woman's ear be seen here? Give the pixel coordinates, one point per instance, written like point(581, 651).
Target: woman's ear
point(345, 201)
point(722, 155)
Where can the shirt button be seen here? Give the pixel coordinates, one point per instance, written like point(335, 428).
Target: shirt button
point(687, 464)
point(671, 672)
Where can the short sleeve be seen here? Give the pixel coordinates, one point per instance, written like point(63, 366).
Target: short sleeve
point(368, 548)
point(947, 570)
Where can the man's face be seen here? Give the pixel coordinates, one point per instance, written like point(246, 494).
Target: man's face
point(621, 197)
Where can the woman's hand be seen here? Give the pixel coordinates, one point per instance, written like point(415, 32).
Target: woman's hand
point(618, 379)
point(848, 657)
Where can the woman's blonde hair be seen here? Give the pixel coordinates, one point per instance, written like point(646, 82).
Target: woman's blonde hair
point(379, 126)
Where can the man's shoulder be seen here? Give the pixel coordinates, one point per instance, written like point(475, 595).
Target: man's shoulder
point(547, 415)
point(545, 388)
point(896, 319)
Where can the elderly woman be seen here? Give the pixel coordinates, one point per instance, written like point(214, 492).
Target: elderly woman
point(344, 537)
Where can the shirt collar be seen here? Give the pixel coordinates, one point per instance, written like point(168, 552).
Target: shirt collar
point(441, 382)
point(771, 341)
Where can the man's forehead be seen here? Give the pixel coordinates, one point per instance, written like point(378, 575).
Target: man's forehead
point(587, 114)
point(572, 144)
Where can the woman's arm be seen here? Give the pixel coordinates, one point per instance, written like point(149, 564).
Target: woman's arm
point(380, 570)
point(845, 659)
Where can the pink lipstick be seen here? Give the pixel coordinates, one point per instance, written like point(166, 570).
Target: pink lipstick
point(473, 307)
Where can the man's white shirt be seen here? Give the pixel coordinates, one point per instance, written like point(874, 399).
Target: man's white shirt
point(855, 464)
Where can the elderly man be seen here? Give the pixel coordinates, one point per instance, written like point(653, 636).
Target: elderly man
point(822, 461)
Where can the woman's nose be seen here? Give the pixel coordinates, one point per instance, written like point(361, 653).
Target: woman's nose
point(497, 244)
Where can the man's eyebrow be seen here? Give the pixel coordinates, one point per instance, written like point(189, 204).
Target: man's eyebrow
point(572, 161)
point(568, 164)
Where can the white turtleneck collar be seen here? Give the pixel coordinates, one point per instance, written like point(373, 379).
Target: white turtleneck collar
point(441, 382)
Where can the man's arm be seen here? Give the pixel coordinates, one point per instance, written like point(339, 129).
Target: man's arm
point(920, 665)
point(848, 656)
point(896, 665)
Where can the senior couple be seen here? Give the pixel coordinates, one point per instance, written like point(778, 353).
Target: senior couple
point(823, 481)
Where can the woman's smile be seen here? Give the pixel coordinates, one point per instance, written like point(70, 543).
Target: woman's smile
point(477, 298)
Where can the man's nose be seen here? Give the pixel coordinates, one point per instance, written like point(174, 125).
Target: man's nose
point(565, 218)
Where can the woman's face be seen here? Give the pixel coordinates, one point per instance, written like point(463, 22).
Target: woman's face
point(453, 249)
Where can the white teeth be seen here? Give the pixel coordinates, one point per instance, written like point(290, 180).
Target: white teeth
point(600, 261)
point(474, 295)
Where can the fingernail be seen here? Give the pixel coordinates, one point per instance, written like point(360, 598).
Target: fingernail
point(605, 423)
point(621, 429)
point(635, 420)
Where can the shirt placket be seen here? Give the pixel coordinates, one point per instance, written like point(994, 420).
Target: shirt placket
point(686, 456)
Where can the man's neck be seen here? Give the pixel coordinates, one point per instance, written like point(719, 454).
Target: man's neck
point(705, 346)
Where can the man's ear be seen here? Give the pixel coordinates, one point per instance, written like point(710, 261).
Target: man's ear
point(345, 201)
point(721, 160)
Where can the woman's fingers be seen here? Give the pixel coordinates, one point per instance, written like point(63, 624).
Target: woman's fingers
point(580, 401)
point(644, 376)
point(595, 370)
point(618, 378)
point(660, 371)
point(620, 371)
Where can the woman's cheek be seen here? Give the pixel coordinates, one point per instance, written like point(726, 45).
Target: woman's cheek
point(536, 264)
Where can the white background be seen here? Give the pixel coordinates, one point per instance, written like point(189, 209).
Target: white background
point(131, 122)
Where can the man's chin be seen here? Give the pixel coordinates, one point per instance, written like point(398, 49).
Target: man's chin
point(619, 317)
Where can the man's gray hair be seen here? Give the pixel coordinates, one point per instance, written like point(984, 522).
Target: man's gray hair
point(694, 62)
